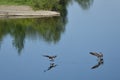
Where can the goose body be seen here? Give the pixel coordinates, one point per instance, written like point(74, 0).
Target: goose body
point(98, 55)
point(51, 58)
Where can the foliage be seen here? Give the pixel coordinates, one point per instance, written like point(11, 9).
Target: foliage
point(48, 29)
point(20, 29)
point(36, 4)
point(85, 4)
point(47, 4)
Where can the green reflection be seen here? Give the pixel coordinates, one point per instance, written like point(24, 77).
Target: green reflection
point(56, 5)
point(85, 4)
point(48, 29)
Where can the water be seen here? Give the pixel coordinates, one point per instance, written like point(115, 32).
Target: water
point(92, 29)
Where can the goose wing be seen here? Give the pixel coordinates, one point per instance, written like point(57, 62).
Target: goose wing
point(94, 53)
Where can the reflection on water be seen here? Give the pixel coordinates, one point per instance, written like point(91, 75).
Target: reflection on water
point(49, 29)
point(85, 4)
point(52, 64)
point(100, 59)
point(94, 30)
point(100, 62)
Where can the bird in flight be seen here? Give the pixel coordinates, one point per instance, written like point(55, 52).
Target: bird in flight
point(98, 55)
point(51, 58)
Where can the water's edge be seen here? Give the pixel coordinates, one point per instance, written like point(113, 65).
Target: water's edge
point(24, 12)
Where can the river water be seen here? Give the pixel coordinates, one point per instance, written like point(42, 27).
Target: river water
point(87, 27)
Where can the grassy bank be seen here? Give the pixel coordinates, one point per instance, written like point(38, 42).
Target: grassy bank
point(14, 2)
point(35, 4)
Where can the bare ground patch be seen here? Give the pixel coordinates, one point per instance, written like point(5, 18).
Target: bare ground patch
point(22, 11)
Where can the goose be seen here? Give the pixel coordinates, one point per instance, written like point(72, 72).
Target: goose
point(98, 55)
point(51, 58)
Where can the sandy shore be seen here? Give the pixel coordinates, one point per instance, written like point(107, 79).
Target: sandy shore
point(24, 12)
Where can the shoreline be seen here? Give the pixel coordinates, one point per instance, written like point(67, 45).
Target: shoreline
point(7, 11)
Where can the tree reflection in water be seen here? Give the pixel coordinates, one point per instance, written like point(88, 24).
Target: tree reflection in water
point(49, 29)
point(85, 4)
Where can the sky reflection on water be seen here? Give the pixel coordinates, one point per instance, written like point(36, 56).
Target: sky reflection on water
point(96, 29)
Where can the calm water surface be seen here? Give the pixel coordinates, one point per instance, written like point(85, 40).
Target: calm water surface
point(94, 27)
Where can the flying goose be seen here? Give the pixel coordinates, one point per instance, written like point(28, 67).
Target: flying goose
point(98, 55)
point(51, 58)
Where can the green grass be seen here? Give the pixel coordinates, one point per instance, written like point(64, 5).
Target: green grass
point(14, 2)
point(35, 4)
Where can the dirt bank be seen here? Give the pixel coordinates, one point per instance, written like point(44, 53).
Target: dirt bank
point(24, 12)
